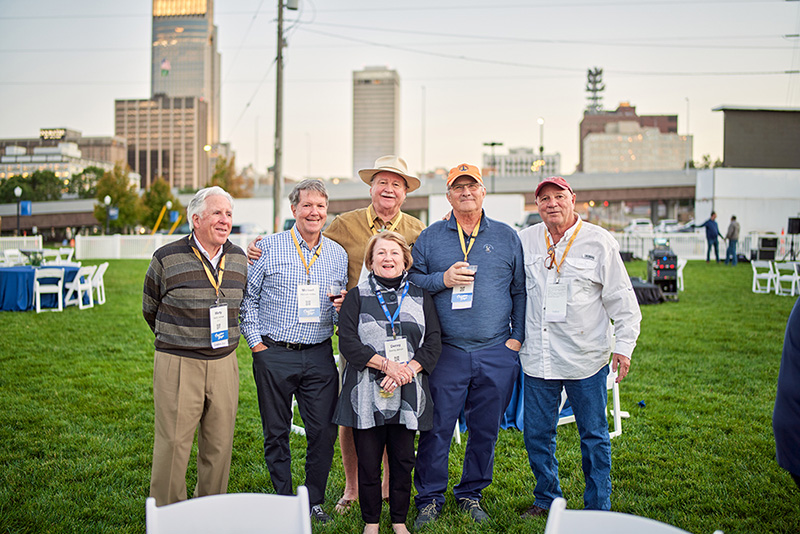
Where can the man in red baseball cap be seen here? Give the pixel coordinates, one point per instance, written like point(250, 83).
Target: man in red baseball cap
point(576, 285)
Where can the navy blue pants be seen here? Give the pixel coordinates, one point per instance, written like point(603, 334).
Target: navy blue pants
point(481, 383)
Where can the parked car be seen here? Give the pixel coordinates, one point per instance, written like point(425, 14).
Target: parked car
point(530, 219)
point(667, 226)
point(639, 226)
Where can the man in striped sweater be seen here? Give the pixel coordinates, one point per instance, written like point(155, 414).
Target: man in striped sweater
point(192, 293)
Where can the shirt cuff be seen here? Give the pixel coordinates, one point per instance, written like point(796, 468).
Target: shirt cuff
point(253, 339)
point(624, 348)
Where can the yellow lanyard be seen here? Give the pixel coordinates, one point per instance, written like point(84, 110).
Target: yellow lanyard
point(551, 249)
point(371, 222)
point(215, 283)
point(473, 235)
point(317, 254)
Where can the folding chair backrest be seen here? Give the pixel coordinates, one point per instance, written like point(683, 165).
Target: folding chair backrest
point(563, 521)
point(66, 253)
point(240, 513)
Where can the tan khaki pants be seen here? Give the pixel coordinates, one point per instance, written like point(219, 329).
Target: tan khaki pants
point(189, 395)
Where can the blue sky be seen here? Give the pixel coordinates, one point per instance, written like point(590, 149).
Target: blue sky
point(487, 70)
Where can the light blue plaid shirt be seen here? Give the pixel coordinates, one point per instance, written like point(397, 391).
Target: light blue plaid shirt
point(269, 307)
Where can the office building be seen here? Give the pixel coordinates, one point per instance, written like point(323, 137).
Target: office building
point(64, 159)
point(185, 60)
point(595, 121)
point(522, 161)
point(166, 138)
point(625, 146)
point(376, 115)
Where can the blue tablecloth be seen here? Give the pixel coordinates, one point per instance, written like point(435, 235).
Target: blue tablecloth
point(16, 288)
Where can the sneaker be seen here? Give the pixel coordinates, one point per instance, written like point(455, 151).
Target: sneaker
point(473, 508)
point(534, 511)
point(319, 514)
point(427, 514)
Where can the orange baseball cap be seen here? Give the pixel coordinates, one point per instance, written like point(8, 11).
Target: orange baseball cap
point(464, 169)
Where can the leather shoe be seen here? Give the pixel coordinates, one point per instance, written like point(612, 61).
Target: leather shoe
point(534, 511)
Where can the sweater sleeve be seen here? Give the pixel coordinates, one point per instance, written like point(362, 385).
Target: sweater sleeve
point(351, 348)
point(428, 354)
point(151, 298)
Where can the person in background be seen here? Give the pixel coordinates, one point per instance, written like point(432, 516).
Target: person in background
point(712, 236)
point(576, 286)
point(732, 236)
point(287, 319)
point(192, 293)
point(473, 267)
point(389, 182)
point(786, 416)
point(389, 334)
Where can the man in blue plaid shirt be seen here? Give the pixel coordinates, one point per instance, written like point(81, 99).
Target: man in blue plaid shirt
point(288, 319)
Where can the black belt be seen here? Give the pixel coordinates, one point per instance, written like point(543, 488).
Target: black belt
point(292, 346)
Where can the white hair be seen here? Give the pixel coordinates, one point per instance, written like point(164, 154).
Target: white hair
point(197, 206)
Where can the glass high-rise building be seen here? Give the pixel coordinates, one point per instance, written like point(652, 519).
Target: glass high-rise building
point(376, 115)
point(185, 60)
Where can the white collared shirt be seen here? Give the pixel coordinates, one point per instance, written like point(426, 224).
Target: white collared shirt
point(215, 260)
point(599, 290)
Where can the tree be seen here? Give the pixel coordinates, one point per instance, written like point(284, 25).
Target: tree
point(154, 199)
point(39, 186)
point(84, 184)
point(227, 178)
point(706, 163)
point(8, 185)
point(117, 184)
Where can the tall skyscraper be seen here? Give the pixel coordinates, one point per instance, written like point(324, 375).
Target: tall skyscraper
point(185, 60)
point(376, 115)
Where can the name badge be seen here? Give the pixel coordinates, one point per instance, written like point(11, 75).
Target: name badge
point(556, 303)
point(396, 350)
point(308, 305)
point(219, 326)
point(462, 296)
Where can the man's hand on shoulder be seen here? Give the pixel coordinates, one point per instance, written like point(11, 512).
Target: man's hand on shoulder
point(620, 364)
point(253, 252)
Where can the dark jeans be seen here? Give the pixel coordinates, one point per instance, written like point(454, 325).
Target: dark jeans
point(399, 443)
point(715, 244)
point(730, 254)
point(310, 375)
point(480, 382)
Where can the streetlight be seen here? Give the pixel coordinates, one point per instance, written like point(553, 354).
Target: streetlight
point(107, 202)
point(493, 144)
point(18, 194)
point(277, 184)
point(541, 147)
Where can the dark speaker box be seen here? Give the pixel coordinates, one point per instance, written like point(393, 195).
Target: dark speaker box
point(794, 225)
point(766, 254)
point(767, 242)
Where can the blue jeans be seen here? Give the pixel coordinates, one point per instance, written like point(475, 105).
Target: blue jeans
point(480, 382)
point(730, 254)
point(715, 244)
point(588, 398)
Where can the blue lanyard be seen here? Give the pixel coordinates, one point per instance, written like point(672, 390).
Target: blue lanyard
point(392, 318)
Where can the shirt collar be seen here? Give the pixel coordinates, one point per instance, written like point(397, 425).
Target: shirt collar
point(451, 222)
point(303, 241)
point(215, 260)
point(377, 221)
point(569, 231)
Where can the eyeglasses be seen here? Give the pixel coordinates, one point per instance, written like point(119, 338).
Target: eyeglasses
point(551, 258)
point(474, 186)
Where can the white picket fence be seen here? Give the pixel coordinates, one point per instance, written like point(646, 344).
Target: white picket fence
point(131, 247)
point(21, 242)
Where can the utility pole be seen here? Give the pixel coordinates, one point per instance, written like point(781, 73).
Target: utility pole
point(277, 184)
point(492, 144)
point(540, 120)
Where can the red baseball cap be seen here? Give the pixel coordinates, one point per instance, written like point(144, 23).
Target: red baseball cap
point(556, 181)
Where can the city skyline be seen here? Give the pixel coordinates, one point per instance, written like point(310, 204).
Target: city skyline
point(471, 73)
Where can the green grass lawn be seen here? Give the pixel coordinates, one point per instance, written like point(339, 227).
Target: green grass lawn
point(76, 420)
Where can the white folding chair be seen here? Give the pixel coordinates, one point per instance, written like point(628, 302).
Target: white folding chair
point(98, 284)
point(681, 264)
point(66, 253)
point(563, 521)
point(14, 257)
point(763, 276)
point(786, 279)
point(617, 414)
point(80, 285)
point(240, 513)
point(48, 281)
point(51, 257)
